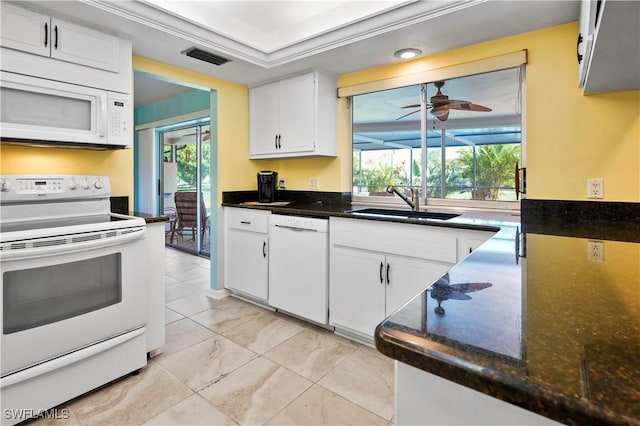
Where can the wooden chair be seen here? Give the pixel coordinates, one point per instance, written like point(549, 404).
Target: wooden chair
point(186, 206)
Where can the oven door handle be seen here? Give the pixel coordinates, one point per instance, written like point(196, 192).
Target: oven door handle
point(65, 360)
point(83, 242)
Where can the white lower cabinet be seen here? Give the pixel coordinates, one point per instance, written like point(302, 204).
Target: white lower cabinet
point(247, 252)
point(356, 293)
point(368, 286)
point(376, 267)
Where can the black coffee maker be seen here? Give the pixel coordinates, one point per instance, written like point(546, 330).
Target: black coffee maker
point(267, 182)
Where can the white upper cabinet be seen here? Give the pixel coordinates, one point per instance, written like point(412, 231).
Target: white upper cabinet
point(84, 46)
point(25, 30)
point(295, 117)
point(608, 46)
point(42, 35)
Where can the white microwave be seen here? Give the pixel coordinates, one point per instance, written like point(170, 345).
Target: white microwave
point(38, 109)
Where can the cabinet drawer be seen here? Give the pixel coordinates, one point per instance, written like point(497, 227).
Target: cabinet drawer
point(247, 219)
point(422, 242)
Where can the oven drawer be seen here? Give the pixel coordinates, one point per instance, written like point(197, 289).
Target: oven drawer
point(29, 392)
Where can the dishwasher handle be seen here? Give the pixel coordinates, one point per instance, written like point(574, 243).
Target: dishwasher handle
point(295, 228)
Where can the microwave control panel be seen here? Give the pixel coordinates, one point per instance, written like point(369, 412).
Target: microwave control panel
point(120, 116)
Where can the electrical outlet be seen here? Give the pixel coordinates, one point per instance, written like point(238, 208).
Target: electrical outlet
point(282, 183)
point(594, 188)
point(314, 182)
point(595, 251)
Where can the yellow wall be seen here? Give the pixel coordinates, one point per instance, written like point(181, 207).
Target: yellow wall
point(569, 137)
point(118, 165)
point(235, 171)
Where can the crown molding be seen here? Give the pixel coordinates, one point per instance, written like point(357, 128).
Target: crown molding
point(413, 12)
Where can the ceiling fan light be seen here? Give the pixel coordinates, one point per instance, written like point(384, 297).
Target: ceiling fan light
point(407, 53)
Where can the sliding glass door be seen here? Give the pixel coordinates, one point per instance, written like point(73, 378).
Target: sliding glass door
point(187, 185)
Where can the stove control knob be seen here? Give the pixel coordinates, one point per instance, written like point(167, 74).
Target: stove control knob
point(98, 184)
point(73, 185)
point(86, 184)
point(5, 185)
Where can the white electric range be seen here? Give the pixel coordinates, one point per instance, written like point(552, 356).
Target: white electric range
point(73, 300)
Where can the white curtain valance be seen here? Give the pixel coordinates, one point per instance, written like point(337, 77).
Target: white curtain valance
point(495, 63)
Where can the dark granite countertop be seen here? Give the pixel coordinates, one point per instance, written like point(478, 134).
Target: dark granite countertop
point(527, 317)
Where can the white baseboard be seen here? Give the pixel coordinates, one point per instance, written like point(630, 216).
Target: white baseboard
point(218, 294)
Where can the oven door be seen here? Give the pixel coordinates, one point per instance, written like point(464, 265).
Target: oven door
point(64, 297)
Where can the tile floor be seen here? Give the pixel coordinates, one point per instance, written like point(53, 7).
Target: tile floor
point(228, 362)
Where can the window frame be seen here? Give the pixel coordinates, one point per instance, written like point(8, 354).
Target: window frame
point(498, 63)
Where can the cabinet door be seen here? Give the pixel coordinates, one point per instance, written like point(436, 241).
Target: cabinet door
point(586, 28)
point(25, 30)
point(356, 289)
point(406, 277)
point(246, 263)
point(84, 46)
point(264, 113)
point(297, 114)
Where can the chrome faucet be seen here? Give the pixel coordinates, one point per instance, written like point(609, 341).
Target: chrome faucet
point(414, 203)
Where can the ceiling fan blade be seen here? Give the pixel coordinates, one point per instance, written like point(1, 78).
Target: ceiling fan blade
point(411, 106)
point(408, 114)
point(467, 106)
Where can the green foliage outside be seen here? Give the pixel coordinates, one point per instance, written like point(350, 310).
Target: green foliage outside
point(377, 178)
point(494, 173)
point(495, 169)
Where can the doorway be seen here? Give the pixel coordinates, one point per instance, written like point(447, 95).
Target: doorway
point(186, 183)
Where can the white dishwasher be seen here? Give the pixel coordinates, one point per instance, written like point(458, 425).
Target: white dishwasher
point(299, 266)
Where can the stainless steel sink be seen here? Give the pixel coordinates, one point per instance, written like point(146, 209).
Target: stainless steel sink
point(404, 214)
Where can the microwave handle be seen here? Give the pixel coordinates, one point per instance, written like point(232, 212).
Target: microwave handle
point(102, 120)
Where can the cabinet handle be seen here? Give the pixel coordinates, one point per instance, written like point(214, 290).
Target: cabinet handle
point(55, 42)
point(264, 249)
point(520, 181)
point(381, 279)
point(279, 144)
point(46, 34)
point(275, 141)
point(577, 47)
point(388, 267)
point(245, 222)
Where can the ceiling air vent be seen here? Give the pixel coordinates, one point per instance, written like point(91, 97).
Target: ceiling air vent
point(205, 56)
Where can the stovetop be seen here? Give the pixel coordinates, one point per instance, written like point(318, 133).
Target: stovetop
point(59, 223)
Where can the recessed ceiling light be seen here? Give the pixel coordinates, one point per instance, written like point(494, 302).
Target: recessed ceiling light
point(407, 53)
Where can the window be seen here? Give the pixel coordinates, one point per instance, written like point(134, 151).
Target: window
point(457, 140)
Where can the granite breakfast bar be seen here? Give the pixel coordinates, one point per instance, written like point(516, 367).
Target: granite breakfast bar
point(530, 320)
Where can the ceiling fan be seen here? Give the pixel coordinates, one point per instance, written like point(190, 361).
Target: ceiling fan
point(206, 135)
point(440, 105)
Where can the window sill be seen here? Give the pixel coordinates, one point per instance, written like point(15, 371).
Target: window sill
point(442, 205)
